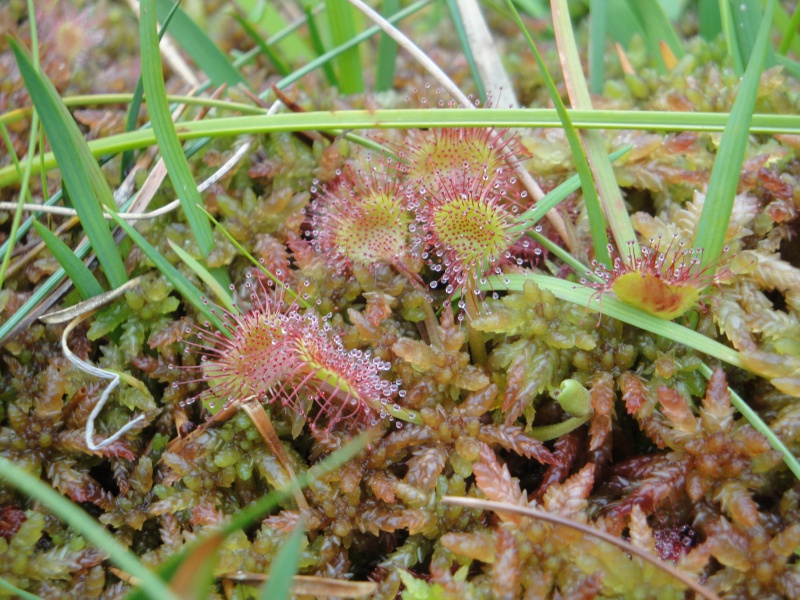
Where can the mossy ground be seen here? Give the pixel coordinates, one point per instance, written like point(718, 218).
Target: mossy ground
point(662, 461)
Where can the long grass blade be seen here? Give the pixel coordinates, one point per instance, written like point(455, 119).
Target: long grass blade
point(266, 16)
point(598, 25)
point(341, 20)
point(746, 17)
point(16, 592)
point(184, 287)
point(86, 525)
point(466, 48)
point(724, 180)
point(731, 39)
point(83, 279)
point(136, 102)
point(199, 46)
point(789, 26)
point(387, 51)
point(319, 47)
point(615, 308)
point(558, 194)
point(709, 18)
point(607, 187)
point(623, 25)
point(323, 60)
point(222, 295)
point(24, 192)
point(81, 174)
point(597, 222)
point(265, 48)
point(225, 127)
point(792, 66)
point(164, 129)
point(657, 28)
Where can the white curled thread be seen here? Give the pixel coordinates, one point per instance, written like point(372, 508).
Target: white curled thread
point(102, 373)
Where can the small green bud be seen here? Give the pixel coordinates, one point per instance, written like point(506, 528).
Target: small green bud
point(574, 398)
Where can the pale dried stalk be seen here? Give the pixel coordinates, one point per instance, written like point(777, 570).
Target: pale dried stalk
point(263, 424)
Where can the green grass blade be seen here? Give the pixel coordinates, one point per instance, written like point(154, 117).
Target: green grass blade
point(222, 295)
point(131, 120)
point(342, 23)
point(710, 20)
point(558, 194)
point(285, 566)
point(792, 66)
point(598, 24)
point(81, 174)
point(466, 48)
point(657, 28)
point(265, 48)
point(183, 286)
point(41, 292)
point(266, 17)
point(789, 27)
point(79, 273)
point(199, 46)
point(24, 192)
point(34, 131)
point(746, 17)
point(537, 9)
point(292, 294)
point(164, 128)
point(607, 187)
point(592, 201)
point(136, 102)
point(731, 39)
point(226, 127)
point(319, 48)
point(387, 51)
point(323, 59)
point(615, 308)
point(622, 23)
point(16, 592)
point(86, 525)
point(724, 180)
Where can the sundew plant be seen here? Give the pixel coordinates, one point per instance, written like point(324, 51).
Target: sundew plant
point(419, 300)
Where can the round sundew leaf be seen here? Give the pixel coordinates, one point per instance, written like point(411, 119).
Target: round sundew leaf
point(375, 232)
point(654, 295)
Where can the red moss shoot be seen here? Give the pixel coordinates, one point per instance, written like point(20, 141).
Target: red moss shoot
point(469, 229)
point(275, 353)
point(665, 283)
point(362, 218)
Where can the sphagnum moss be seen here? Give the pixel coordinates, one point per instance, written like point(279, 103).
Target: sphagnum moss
point(660, 440)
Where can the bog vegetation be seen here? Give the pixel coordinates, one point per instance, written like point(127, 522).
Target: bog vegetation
point(286, 315)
